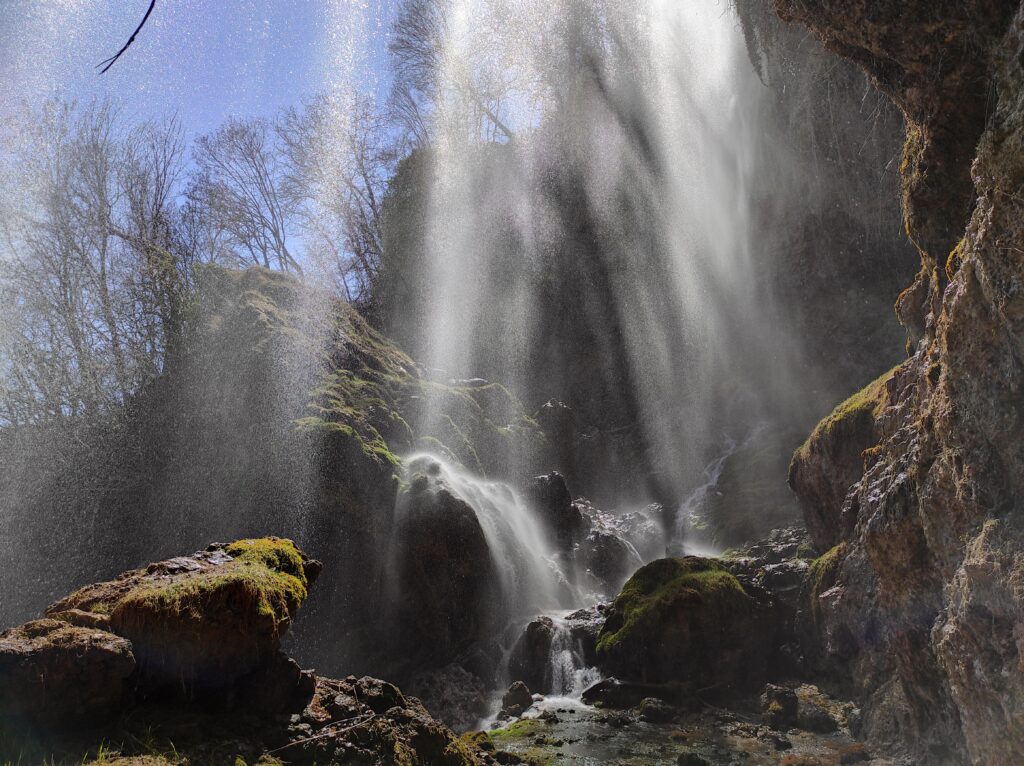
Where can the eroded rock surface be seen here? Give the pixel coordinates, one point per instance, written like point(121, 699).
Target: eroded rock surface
point(920, 612)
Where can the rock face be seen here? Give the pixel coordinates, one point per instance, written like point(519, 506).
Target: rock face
point(444, 585)
point(53, 671)
point(922, 614)
point(832, 459)
point(210, 622)
point(206, 620)
point(683, 620)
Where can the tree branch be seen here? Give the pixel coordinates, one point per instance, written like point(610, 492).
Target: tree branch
point(107, 63)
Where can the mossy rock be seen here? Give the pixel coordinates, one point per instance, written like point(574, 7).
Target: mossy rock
point(206, 620)
point(832, 459)
point(683, 619)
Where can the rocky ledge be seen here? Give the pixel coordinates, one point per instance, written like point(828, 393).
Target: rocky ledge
point(181, 662)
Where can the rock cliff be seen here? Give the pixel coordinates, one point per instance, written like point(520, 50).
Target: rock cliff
point(920, 610)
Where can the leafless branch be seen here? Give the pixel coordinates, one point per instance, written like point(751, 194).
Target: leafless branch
point(107, 63)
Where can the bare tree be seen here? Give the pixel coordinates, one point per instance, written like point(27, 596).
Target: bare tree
point(338, 154)
point(88, 285)
point(239, 183)
point(447, 73)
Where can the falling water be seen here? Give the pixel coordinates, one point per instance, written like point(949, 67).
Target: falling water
point(529, 578)
point(570, 675)
point(649, 146)
point(687, 538)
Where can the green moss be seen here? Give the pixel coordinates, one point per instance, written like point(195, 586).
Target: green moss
point(823, 570)
point(521, 728)
point(478, 739)
point(272, 552)
point(854, 414)
point(275, 595)
point(658, 588)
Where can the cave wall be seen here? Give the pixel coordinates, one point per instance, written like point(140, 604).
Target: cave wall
point(924, 617)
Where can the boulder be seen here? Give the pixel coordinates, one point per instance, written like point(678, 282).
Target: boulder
point(203, 621)
point(531, 655)
point(608, 558)
point(779, 707)
point(551, 499)
point(53, 671)
point(516, 700)
point(654, 710)
point(683, 619)
point(444, 581)
point(831, 461)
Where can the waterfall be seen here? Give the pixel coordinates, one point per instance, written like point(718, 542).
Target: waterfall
point(570, 675)
point(687, 538)
point(618, 223)
point(529, 578)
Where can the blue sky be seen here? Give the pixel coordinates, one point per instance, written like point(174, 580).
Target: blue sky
point(201, 59)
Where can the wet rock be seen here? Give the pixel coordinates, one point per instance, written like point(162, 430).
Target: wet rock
point(830, 462)
point(813, 718)
point(53, 671)
point(531, 655)
point(654, 710)
point(445, 579)
point(690, 758)
point(609, 558)
point(779, 707)
point(551, 498)
point(517, 699)
point(585, 626)
point(614, 693)
point(204, 621)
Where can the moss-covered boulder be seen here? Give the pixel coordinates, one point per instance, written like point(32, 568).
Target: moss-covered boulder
point(53, 671)
point(683, 620)
point(206, 620)
point(832, 459)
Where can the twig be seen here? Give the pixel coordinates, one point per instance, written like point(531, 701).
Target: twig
point(366, 718)
point(113, 59)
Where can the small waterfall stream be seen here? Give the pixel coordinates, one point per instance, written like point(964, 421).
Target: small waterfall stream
point(570, 675)
point(530, 580)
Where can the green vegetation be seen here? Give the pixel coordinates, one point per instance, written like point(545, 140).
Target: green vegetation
point(521, 728)
point(822, 575)
point(823, 570)
point(855, 415)
point(661, 587)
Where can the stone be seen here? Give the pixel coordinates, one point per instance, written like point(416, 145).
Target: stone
point(654, 710)
point(51, 671)
point(683, 620)
point(207, 620)
point(444, 581)
point(531, 655)
point(779, 707)
point(813, 718)
point(517, 699)
point(553, 502)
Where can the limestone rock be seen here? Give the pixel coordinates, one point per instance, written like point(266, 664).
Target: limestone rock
point(444, 578)
point(204, 620)
point(53, 671)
